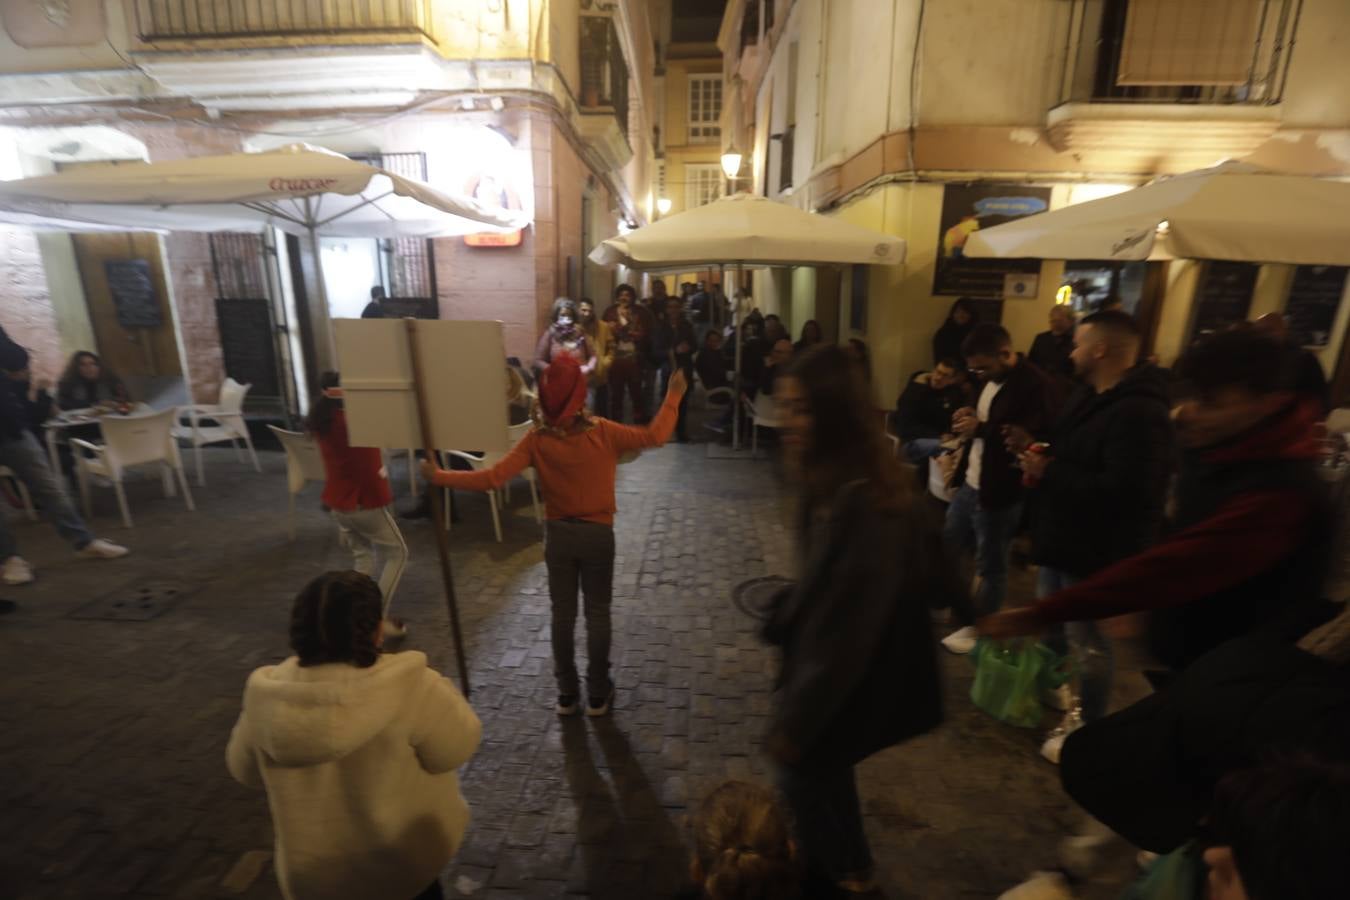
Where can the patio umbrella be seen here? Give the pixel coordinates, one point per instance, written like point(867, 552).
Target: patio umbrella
point(1233, 211)
point(747, 230)
point(304, 190)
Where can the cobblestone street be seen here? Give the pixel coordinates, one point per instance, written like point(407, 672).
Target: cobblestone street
point(112, 733)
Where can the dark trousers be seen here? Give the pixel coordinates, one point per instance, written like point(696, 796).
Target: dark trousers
point(432, 892)
point(625, 377)
point(825, 806)
point(580, 554)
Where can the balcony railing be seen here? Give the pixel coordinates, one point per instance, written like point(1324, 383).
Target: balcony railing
point(604, 74)
point(1160, 51)
point(161, 20)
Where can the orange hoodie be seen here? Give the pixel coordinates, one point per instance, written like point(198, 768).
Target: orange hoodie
point(576, 469)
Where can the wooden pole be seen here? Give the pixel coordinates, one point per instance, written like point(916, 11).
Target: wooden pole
point(438, 505)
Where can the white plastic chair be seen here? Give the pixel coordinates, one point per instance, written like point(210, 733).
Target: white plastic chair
point(763, 413)
point(228, 416)
point(514, 433)
point(131, 441)
point(24, 496)
point(304, 464)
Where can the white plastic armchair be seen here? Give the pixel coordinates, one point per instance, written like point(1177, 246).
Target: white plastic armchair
point(131, 441)
point(304, 464)
point(514, 434)
point(762, 414)
point(216, 424)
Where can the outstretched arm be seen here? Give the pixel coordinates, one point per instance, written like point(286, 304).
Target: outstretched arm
point(489, 479)
point(627, 438)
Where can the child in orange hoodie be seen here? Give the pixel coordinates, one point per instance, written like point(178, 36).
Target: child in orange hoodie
point(576, 455)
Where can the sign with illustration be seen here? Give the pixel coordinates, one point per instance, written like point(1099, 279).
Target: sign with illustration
point(133, 293)
point(967, 208)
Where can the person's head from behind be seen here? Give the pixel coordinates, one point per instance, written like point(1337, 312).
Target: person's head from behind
point(1280, 832)
point(989, 352)
point(1105, 342)
point(962, 312)
point(327, 400)
point(811, 333)
point(336, 619)
point(1236, 379)
point(1272, 324)
point(830, 433)
point(586, 311)
point(946, 373)
point(1061, 319)
point(564, 312)
point(624, 294)
point(743, 846)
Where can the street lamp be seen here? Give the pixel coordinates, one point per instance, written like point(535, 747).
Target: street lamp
point(731, 164)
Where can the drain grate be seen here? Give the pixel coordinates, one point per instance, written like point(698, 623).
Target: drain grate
point(137, 602)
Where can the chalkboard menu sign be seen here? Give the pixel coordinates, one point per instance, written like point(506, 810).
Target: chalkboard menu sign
point(1314, 299)
point(1224, 297)
point(406, 307)
point(248, 345)
point(132, 287)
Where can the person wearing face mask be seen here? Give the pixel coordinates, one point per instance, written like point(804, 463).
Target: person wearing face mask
point(1253, 524)
point(564, 335)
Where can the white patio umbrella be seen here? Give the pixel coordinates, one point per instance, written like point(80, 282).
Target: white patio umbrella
point(1233, 211)
point(300, 189)
point(747, 230)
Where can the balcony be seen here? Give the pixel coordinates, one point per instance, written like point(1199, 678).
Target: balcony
point(179, 20)
point(603, 102)
point(1207, 75)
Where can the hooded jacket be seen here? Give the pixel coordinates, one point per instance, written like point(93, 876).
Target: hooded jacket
point(359, 766)
point(1101, 498)
point(1248, 556)
point(925, 412)
point(1027, 399)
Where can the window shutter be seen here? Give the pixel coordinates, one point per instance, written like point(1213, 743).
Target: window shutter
point(1185, 42)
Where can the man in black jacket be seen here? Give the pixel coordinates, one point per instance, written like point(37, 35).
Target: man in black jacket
point(22, 454)
point(1101, 486)
point(987, 506)
point(1052, 350)
point(923, 414)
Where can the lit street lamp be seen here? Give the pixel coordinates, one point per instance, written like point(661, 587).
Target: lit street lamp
point(731, 166)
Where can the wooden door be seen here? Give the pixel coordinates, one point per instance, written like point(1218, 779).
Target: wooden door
point(129, 350)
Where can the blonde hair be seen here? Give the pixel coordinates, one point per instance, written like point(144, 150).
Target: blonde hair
point(743, 845)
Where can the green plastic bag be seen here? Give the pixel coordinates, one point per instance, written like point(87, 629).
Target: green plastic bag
point(1007, 681)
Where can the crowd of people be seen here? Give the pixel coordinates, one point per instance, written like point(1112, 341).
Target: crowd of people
point(1190, 495)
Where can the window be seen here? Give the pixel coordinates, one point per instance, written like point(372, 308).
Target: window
point(705, 109)
point(702, 184)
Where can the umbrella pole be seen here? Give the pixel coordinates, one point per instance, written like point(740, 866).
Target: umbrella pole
point(327, 352)
point(438, 504)
point(740, 343)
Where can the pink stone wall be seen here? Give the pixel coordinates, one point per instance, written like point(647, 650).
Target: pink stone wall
point(26, 311)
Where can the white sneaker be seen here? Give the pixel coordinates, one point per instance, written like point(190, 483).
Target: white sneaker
point(16, 571)
point(395, 628)
point(1054, 744)
point(1040, 886)
point(1083, 854)
point(101, 549)
point(961, 641)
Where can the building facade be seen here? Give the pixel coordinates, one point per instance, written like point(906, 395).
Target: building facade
point(917, 118)
point(538, 105)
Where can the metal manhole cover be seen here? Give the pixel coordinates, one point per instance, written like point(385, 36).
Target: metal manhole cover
point(754, 597)
point(136, 602)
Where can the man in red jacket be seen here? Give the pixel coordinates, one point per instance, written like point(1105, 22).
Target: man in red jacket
point(1252, 521)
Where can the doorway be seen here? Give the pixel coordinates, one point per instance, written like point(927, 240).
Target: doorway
point(128, 301)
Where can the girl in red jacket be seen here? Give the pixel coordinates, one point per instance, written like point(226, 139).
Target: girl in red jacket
point(356, 491)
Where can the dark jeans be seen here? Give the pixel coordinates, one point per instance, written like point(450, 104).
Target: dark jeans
point(625, 377)
point(432, 892)
point(989, 532)
point(580, 554)
point(825, 806)
point(26, 458)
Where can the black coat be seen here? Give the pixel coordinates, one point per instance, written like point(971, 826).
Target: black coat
point(1027, 399)
point(1051, 353)
point(1102, 497)
point(13, 412)
point(922, 412)
point(859, 668)
point(1149, 771)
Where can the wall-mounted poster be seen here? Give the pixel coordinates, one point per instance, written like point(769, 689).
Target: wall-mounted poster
point(966, 208)
point(133, 293)
point(1314, 300)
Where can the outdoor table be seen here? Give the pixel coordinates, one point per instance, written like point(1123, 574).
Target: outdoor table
point(62, 422)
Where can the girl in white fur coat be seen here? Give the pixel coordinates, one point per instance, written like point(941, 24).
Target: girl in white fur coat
point(357, 750)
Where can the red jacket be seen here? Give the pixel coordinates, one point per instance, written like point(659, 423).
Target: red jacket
point(354, 473)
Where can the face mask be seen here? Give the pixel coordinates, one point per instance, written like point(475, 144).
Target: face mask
point(565, 321)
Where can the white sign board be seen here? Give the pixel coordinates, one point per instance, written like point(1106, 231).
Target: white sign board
point(1018, 286)
point(464, 367)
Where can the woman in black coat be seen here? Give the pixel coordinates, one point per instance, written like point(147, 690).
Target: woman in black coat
point(859, 669)
point(948, 339)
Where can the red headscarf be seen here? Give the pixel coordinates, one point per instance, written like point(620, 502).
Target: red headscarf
point(562, 390)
